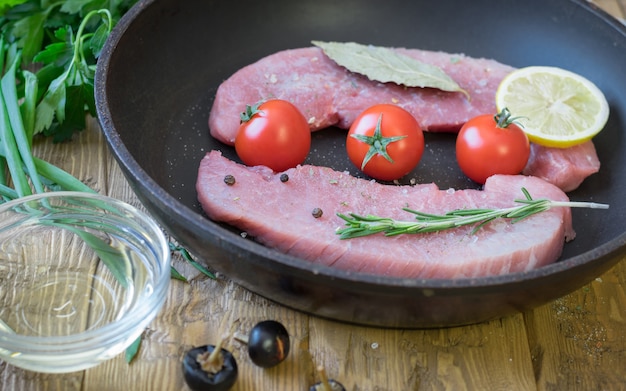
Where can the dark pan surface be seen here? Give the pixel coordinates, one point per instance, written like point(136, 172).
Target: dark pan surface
point(159, 72)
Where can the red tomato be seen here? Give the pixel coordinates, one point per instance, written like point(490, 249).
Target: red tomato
point(273, 133)
point(489, 145)
point(385, 142)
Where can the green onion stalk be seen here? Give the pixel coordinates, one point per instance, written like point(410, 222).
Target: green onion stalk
point(53, 101)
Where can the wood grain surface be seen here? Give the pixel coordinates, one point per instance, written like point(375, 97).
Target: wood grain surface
point(577, 342)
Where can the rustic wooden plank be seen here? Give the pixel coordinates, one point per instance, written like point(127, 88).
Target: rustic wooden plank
point(489, 356)
point(578, 342)
point(617, 8)
point(198, 313)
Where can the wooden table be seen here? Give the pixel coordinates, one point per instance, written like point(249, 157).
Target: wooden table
point(577, 342)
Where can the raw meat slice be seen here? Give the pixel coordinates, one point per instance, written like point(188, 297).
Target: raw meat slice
point(566, 168)
point(328, 94)
point(279, 215)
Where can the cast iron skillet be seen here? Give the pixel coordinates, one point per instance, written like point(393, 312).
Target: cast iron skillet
point(159, 71)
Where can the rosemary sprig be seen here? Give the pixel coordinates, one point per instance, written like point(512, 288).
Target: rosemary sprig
point(358, 225)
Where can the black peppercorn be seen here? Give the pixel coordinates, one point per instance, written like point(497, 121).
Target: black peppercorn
point(317, 213)
point(229, 180)
point(284, 178)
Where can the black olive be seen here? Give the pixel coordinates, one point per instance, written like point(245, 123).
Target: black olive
point(219, 375)
point(268, 343)
point(331, 385)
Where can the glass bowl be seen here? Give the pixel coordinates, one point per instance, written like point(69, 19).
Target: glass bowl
point(81, 276)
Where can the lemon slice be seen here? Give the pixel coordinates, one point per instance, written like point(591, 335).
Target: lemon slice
point(556, 107)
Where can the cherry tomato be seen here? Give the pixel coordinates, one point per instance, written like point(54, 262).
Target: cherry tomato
point(385, 142)
point(487, 145)
point(273, 133)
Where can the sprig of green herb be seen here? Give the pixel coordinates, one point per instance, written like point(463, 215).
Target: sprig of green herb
point(358, 225)
point(62, 40)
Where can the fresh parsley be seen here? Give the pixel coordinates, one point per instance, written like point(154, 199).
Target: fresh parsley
point(60, 42)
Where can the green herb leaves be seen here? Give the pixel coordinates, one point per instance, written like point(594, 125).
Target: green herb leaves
point(357, 225)
point(71, 93)
point(387, 65)
point(62, 41)
point(14, 138)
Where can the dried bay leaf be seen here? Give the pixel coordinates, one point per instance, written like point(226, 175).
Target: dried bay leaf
point(386, 65)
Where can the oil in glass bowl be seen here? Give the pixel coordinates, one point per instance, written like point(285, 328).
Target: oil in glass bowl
point(81, 276)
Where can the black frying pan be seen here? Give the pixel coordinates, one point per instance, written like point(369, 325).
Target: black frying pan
point(159, 72)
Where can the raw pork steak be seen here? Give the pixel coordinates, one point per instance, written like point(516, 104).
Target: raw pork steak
point(279, 215)
point(328, 94)
point(566, 168)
